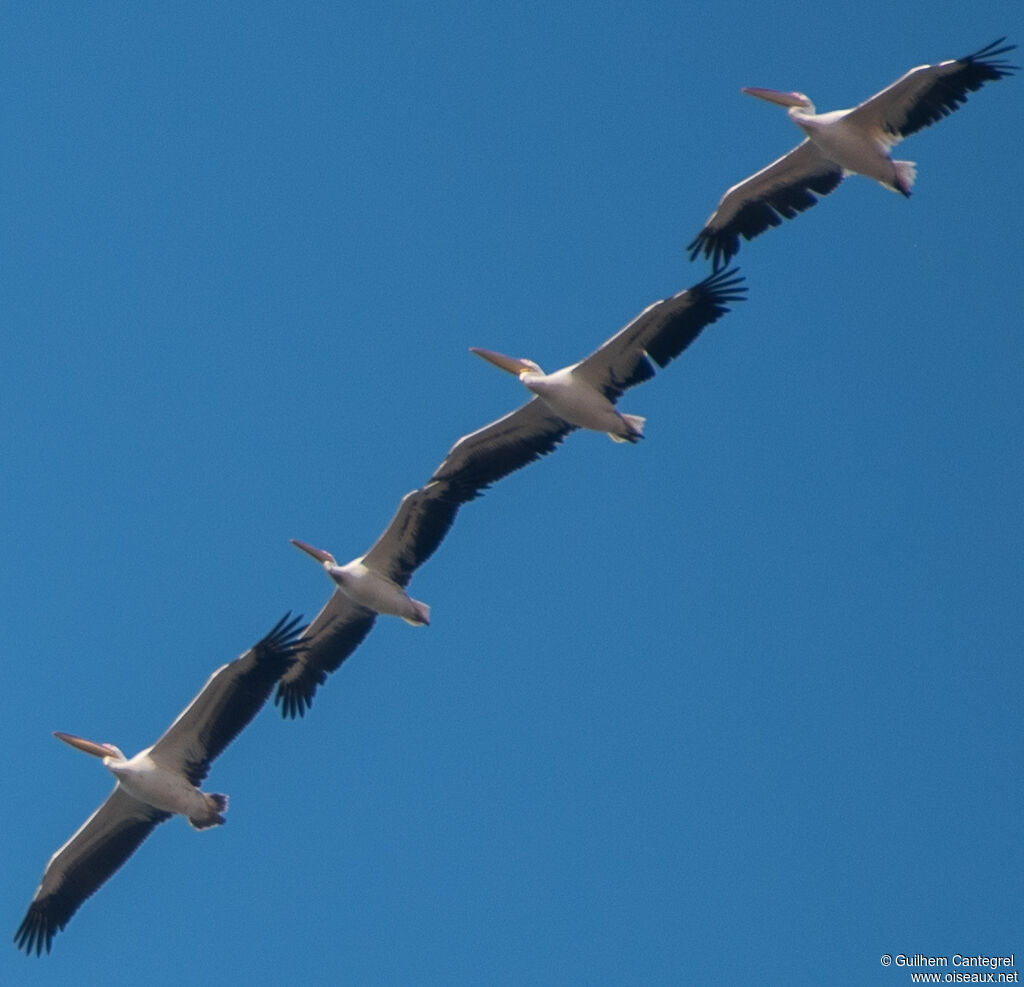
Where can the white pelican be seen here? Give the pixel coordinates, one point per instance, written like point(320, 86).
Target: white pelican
point(655, 337)
point(571, 395)
point(844, 142)
point(418, 527)
point(157, 783)
point(366, 582)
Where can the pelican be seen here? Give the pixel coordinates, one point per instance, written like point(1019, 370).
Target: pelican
point(655, 337)
point(843, 142)
point(156, 783)
point(570, 395)
point(367, 586)
point(366, 583)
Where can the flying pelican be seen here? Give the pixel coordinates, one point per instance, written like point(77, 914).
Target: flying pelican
point(157, 783)
point(656, 336)
point(571, 395)
point(366, 583)
point(844, 142)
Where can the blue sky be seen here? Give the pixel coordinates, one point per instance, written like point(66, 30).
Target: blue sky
point(740, 704)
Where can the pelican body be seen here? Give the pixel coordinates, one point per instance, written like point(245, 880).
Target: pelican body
point(841, 138)
point(158, 782)
point(369, 588)
point(570, 396)
point(842, 142)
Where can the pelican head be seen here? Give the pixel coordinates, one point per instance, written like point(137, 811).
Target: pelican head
point(793, 100)
point(511, 364)
point(318, 553)
point(90, 746)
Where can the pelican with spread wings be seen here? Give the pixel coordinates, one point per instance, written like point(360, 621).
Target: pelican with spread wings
point(157, 783)
point(844, 142)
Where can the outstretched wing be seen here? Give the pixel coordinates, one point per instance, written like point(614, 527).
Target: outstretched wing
point(659, 334)
point(100, 846)
point(333, 635)
point(787, 187)
point(232, 696)
point(928, 93)
point(490, 453)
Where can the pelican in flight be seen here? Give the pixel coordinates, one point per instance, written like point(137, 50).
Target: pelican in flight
point(571, 395)
point(157, 783)
point(843, 142)
point(366, 582)
point(654, 338)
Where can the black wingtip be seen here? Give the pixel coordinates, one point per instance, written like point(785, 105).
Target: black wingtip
point(725, 284)
point(717, 247)
point(985, 61)
point(950, 89)
point(285, 634)
point(292, 702)
point(990, 51)
point(35, 934)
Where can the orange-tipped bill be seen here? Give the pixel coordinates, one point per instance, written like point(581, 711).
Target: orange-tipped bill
point(318, 553)
point(512, 365)
point(89, 746)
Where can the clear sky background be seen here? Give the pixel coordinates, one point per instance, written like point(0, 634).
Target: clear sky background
point(740, 704)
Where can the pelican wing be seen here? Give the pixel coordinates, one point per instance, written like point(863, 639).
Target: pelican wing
point(659, 333)
point(475, 462)
point(100, 846)
point(336, 632)
point(788, 186)
point(418, 527)
point(930, 92)
point(232, 696)
point(511, 442)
